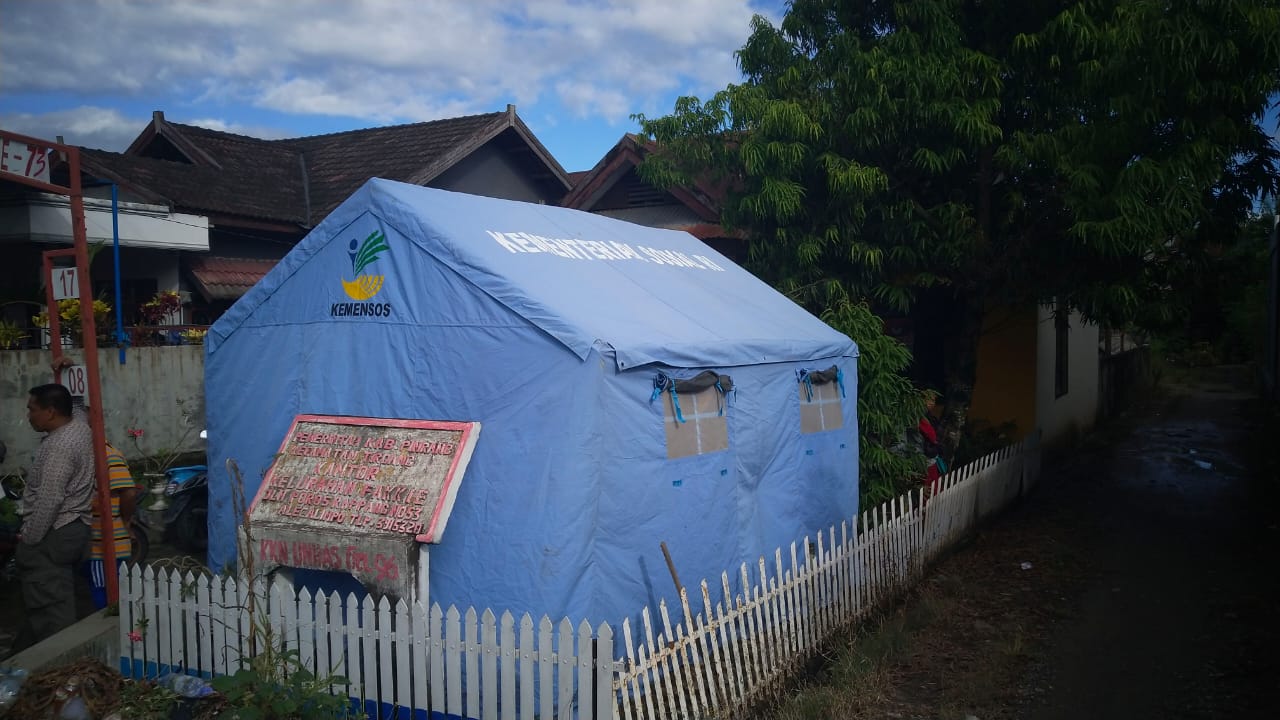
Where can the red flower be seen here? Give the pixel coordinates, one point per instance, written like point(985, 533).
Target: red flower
point(135, 432)
point(135, 636)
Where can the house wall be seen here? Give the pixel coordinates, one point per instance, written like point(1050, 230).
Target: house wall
point(491, 172)
point(158, 389)
point(1005, 387)
point(22, 294)
point(47, 218)
point(1061, 418)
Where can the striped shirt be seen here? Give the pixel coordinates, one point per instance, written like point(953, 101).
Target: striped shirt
point(120, 479)
point(60, 488)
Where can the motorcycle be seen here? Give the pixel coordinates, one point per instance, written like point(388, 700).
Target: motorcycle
point(186, 523)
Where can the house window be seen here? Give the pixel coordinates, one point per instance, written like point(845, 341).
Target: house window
point(693, 413)
point(1062, 349)
point(821, 400)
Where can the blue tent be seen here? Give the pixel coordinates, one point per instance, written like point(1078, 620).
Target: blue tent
point(581, 344)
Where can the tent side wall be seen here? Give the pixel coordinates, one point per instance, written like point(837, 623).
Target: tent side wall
point(770, 487)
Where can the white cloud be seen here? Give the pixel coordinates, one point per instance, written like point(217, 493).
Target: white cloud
point(86, 126)
point(379, 60)
point(109, 129)
point(584, 99)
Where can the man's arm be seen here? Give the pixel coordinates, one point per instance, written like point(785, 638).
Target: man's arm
point(128, 504)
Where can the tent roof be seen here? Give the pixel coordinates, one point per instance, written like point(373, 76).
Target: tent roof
point(648, 295)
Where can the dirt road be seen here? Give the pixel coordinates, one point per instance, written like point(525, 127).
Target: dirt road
point(1178, 614)
point(1140, 581)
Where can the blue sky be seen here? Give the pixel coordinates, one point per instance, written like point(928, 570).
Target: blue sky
point(94, 70)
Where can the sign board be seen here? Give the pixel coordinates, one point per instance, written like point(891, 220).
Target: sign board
point(358, 495)
point(24, 160)
point(75, 379)
point(65, 283)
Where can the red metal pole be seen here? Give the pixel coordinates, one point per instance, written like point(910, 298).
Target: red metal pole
point(90, 333)
point(81, 252)
point(55, 322)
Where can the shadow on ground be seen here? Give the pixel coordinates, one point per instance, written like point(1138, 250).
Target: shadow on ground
point(1138, 582)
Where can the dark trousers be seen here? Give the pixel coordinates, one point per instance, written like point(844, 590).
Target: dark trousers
point(47, 570)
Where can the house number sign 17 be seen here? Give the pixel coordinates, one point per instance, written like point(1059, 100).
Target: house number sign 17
point(65, 283)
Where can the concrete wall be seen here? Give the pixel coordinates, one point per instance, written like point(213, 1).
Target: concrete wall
point(158, 389)
point(1061, 418)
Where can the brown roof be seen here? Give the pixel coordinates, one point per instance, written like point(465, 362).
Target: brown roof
point(221, 278)
point(298, 181)
point(252, 179)
point(338, 164)
point(629, 152)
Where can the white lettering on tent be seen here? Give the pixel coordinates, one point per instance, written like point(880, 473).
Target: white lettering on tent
point(503, 241)
point(579, 249)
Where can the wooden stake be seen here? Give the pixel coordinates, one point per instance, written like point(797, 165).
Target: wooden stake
point(671, 567)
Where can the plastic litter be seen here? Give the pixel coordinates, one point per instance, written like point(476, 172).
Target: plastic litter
point(1204, 465)
point(11, 680)
point(187, 686)
point(1026, 566)
point(75, 709)
point(68, 704)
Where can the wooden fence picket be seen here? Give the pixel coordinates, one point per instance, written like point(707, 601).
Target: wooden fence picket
point(453, 662)
point(435, 630)
point(507, 653)
point(470, 664)
point(527, 657)
point(546, 669)
point(564, 671)
point(488, 679)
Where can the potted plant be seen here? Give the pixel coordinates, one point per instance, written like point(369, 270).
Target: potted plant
point(11, 336)
point(69, 319)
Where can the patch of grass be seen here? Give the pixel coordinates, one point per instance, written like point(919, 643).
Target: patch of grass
point(858, 679)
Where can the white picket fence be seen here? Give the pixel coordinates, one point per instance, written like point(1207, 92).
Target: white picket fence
point(396, 658)
point(717, 659)
point(732, 654)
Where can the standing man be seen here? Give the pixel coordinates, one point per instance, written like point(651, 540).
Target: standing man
point(57, 510)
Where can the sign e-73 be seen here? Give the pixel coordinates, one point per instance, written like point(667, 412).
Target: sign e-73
point(25, 159)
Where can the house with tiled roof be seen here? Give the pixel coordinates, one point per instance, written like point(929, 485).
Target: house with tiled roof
point(234, 204)
point(614, 188)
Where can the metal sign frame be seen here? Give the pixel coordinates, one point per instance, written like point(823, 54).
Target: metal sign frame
point(79, 251)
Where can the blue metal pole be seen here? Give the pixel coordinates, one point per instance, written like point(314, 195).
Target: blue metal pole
point(115, 247)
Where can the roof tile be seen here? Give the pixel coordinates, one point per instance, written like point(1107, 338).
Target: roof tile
point(223, 278)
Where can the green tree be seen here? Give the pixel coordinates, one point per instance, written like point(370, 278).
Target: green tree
point(996, 152)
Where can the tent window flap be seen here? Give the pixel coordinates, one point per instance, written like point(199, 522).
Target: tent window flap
point(821, 394)
point(693, 413)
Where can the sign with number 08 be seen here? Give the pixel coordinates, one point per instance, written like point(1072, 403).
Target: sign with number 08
point(76, 380)
point(65, 283)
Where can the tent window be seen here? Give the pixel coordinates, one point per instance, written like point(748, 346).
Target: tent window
point(821, 400)
point(693, 413)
